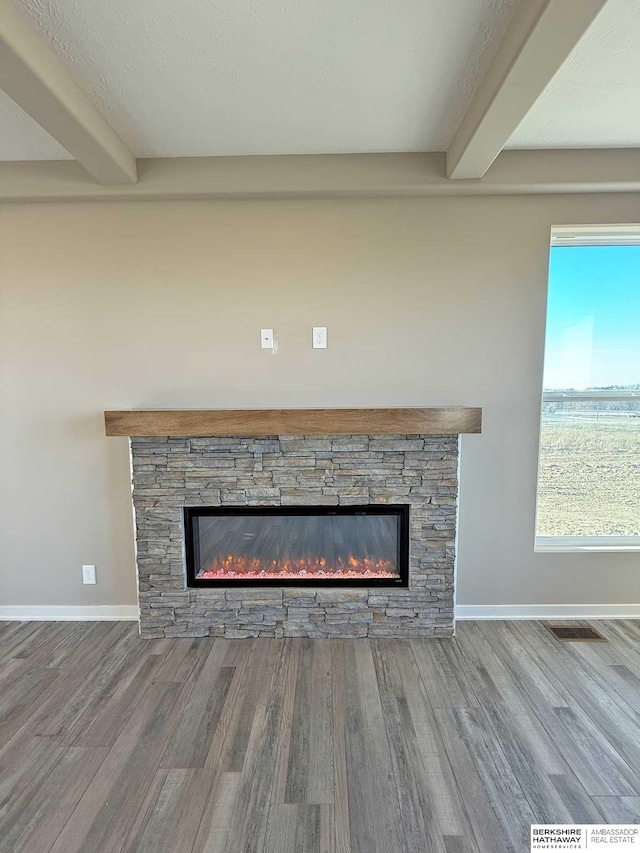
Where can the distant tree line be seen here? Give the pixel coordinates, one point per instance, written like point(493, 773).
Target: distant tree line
point(577, 406)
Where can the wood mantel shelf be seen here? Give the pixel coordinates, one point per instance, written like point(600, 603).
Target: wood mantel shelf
point(248, 422)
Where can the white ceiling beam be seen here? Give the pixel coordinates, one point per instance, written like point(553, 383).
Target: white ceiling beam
point(540, 37)
point(38, 82)
point(311, 176)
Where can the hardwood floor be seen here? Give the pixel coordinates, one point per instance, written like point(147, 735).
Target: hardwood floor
point(112, 744)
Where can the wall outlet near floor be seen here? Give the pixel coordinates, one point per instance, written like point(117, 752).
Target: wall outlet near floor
point(319, 337)
point(88, 574)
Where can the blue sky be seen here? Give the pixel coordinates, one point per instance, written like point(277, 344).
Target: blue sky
point(593, 317)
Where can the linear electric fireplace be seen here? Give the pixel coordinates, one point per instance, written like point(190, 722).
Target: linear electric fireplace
point(297, 546)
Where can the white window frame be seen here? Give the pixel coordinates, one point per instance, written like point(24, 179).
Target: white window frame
point(588, 235)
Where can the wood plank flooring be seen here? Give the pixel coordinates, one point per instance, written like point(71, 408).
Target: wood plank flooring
point(112, 744)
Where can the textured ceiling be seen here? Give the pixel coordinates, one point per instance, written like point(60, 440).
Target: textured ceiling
point(207, 77)
point(594, 99)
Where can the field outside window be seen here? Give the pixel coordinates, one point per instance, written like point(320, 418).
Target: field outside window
point(589, 464)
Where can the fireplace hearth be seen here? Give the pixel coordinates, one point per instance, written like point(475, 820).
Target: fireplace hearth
point(362, 545)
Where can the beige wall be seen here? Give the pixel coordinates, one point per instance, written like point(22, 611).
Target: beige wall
point(427, 301)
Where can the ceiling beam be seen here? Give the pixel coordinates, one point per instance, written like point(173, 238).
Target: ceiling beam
point(38, 82)
point(313, 176)
point(540, 37)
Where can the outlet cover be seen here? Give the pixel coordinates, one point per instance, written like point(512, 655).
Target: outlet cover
point(319, 337)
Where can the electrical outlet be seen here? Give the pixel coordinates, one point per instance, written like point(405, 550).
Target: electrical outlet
point(319, 337)
point(88, 574)
point(266, 338)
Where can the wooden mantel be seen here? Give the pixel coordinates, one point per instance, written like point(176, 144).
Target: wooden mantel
point(247, 422)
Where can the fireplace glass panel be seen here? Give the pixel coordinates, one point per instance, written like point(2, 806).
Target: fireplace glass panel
point(296, 545)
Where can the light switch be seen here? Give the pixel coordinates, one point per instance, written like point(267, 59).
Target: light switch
point(266, 338)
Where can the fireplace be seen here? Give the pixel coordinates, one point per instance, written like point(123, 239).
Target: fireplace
point(389, 470)
point(348, 546)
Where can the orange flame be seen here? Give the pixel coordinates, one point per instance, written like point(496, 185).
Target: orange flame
point(252, 568)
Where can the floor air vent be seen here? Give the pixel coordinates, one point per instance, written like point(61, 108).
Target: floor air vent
point(576, 633)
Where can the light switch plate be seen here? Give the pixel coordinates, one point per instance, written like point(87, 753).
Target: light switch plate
point(266, 338)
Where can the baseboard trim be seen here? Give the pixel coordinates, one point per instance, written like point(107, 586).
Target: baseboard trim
point(62, 613)
point(547, 611)
point(130, 612)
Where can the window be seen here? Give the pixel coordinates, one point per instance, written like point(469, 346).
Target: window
point(589, 465)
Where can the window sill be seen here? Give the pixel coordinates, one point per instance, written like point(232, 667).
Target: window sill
point(610, 544)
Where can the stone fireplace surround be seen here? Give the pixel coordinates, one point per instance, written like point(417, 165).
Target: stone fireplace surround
point(171, 472)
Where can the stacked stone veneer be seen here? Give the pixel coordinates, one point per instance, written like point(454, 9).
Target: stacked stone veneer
point(171, 473)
